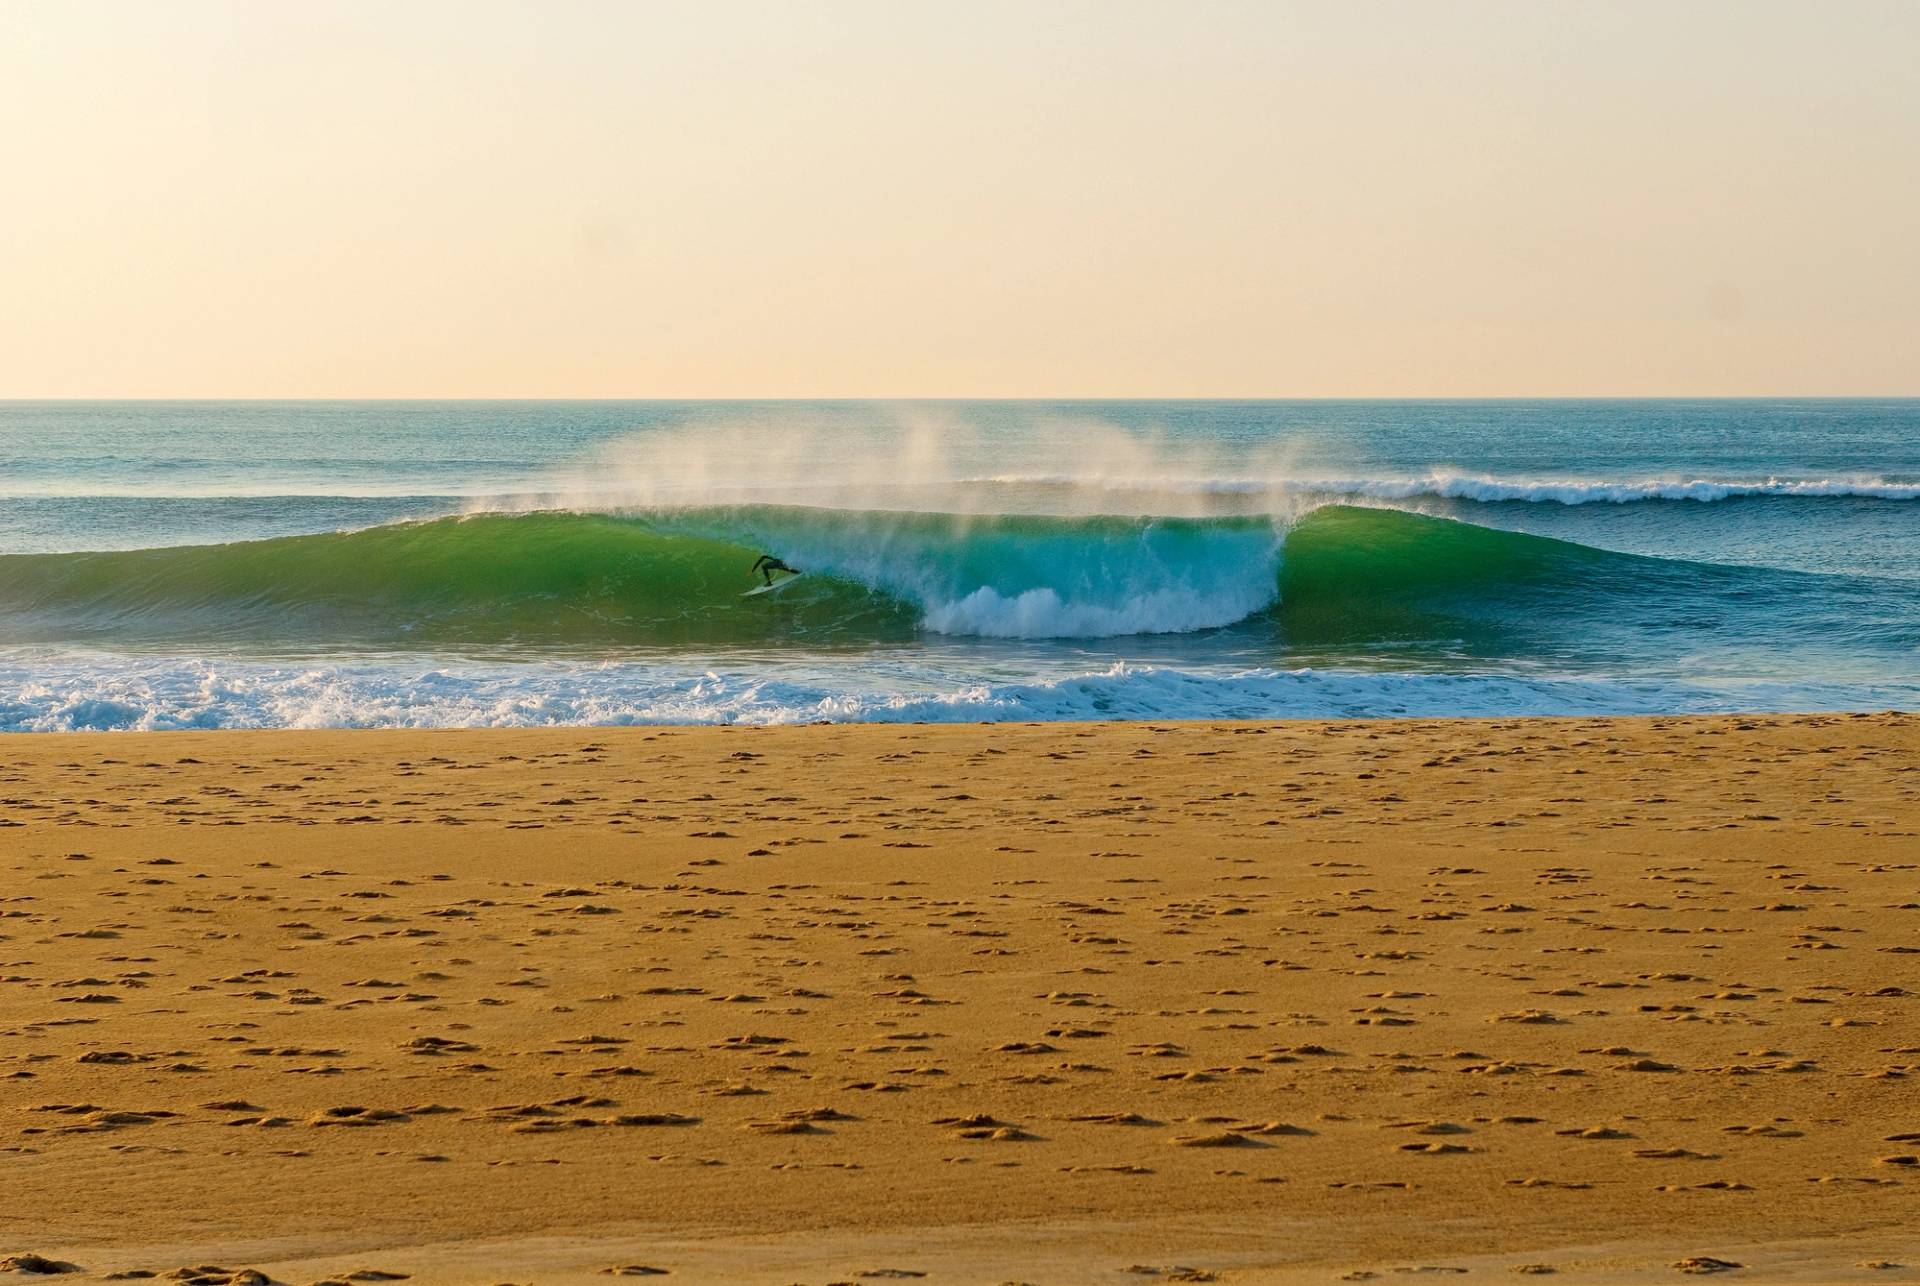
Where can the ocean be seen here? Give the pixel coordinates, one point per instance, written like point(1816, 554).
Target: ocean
point(454, 564)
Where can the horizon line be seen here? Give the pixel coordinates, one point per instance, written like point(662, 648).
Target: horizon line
point(1026, 398)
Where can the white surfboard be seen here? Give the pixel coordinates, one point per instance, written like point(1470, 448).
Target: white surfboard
point(780, 584)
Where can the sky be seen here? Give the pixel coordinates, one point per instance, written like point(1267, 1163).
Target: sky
point(904, 198)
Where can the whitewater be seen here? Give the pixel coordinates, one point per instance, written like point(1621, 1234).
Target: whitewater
point(210, 565)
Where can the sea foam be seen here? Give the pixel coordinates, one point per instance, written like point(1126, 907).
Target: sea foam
point(165, 694)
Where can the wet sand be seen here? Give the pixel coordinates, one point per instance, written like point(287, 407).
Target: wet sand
point(1626, 1000)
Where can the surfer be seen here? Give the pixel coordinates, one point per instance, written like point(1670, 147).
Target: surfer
point(767, 565)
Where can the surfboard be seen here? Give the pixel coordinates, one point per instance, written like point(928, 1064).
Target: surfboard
point(780, 584)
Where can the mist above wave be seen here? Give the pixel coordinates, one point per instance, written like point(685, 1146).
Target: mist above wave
point(937, 458)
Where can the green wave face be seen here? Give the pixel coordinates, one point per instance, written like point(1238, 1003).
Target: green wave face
point(1353, 575)
point(551, 581)
point(1374, 585)
point(558, 582)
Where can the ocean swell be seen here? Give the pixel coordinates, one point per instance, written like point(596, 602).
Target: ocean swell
point(560, 581)
point(595, 584)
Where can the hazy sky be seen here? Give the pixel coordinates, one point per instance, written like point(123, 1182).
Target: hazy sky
point(572, 198)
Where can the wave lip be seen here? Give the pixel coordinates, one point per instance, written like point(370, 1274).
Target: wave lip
point(1443, 485)
point(1576, 492)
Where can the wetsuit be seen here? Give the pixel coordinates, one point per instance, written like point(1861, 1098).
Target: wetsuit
point(767, 565)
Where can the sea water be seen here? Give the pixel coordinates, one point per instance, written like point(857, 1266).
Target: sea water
point(424, 564)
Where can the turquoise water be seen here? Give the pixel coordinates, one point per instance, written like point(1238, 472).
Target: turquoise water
point(309, 564)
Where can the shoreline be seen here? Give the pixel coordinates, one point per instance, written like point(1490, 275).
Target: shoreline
point(1284, 998)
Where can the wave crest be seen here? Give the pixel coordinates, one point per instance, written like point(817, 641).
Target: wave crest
point(1484, 488)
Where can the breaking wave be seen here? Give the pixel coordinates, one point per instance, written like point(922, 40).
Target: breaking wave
point(546, 582)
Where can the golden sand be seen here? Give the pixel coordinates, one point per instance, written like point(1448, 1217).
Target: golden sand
point(1623, 999)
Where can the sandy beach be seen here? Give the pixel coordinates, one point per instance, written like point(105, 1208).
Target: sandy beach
point(1619, 1000)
